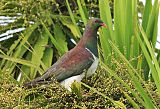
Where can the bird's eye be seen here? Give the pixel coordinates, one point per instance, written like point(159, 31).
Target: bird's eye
point(97, 21)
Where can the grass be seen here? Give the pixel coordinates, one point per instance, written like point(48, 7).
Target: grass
point(102, 90)
point(126, 52)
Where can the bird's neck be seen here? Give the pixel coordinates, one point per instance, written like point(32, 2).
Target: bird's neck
point(89, 40)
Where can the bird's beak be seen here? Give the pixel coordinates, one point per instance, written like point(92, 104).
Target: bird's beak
point(104, 25)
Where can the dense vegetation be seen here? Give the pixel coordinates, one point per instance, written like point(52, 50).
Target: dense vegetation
point(128, 75)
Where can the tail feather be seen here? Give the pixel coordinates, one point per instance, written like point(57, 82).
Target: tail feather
point(36, 82)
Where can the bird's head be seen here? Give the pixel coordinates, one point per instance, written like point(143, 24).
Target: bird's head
point(95, 23)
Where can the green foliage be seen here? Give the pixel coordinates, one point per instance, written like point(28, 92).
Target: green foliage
point(102, 90)
point(126, 51)
point(31, 44)
point(76, 89)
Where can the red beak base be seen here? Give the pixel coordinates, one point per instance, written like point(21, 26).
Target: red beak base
point(104, 25)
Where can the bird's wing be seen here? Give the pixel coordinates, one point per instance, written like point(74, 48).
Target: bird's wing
point(70, 64)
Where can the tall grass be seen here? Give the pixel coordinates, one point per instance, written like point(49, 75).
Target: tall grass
point(129, 42)
point(132, 42)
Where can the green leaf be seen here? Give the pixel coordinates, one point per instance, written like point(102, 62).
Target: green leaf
point(21, 46)
point(47, 57)
point(119, 19)
point(73, 19)
point(146, 13)
point(70, 25)
point(151, 30)
point(76, 89)
point(38, 51)
point(26, 69)
point(53, 40)
point(150, 57)
point(152, 16)
point(105, 33)
point(20, 61)
point(129, 18)
point(82, 13)
point(60, 37)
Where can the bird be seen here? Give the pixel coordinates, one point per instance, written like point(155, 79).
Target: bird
point(80, 61)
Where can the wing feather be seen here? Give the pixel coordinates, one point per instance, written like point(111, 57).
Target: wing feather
point(70, 64)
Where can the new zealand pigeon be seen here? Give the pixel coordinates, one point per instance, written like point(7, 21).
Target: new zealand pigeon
point(71, 66)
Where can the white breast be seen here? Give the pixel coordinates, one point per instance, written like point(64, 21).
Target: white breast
point(93, 68)
point(94, 65)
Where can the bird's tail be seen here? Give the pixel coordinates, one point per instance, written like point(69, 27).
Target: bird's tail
point(44, 79)
point(36, 82)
